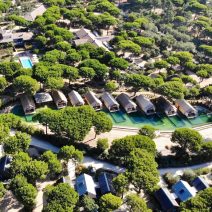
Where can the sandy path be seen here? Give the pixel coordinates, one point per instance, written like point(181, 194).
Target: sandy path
point(39, 198)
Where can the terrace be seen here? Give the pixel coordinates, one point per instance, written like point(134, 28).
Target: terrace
point(138, 119)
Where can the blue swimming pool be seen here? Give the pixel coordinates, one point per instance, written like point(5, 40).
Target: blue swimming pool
point(26, 62)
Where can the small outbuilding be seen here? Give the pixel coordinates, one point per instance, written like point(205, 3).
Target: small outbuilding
point(111, 104)
point(28, 104)
point(93, 101)
point(43, 98)
point(125, 101)
point(85, 185)
point(166, 200)
point(59, 99)
point(75, 98)
point(145, 105)
point(199, 183)
point(166, 106)
point(106, 183)
point(186, 109)
point(183, 190)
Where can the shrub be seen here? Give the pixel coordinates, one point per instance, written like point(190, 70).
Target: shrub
point(80, 168)
point(170, 179)
point(189, 175)
point(102, 144)
point(2, 190)
point(202, 171)
point(15, 122)
point(148, 131)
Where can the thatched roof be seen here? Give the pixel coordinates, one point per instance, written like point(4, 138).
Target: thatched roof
point(185, 107)
point(42, 98)
point(59, 98)
point(27, 104)
point(75, 98)
point(165, 105)
point(126, 102)
point(92, 99)
point(144, 103)
point(109, 100)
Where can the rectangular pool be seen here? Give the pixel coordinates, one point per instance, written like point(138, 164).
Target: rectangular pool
point(118, 116)
point(177, 121)
point(26, 62)
point(159, 121)
point(200, 120)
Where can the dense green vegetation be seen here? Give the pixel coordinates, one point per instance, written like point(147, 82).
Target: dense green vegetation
point(121, 148)
point(201, 202)
point(109, 202)
point(178, 40)
point(74, 122)
point(60, 198)
point(155, 46)
point(24, 191)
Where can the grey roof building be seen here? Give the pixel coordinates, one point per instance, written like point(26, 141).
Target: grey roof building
point(85, 185)
point(75, 98)
point(166, 106)
point(199, 183)
point(41, 98)
point(86, 36)
point(93, 100)
point(186, 109)
point(8, 36)
point(125, 101)
point(59, 99)
point(166, 200)
point(38, 11)
point(145, 105)
point(28, 104)
point(111, 104)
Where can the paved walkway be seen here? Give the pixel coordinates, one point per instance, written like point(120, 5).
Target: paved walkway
point(97, 164)
point(89, 161)
point(180, 170)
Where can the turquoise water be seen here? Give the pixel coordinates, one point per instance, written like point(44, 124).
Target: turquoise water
point(161, 122)
point(118, 116)
point(18, 111)
point(26, 62)
point(201, 119)
point(177, 121)
point(138, 119)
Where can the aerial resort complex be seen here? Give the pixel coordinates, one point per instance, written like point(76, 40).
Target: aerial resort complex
point(105, 106)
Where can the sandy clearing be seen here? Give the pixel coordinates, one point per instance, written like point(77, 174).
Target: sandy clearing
point(163, 141)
